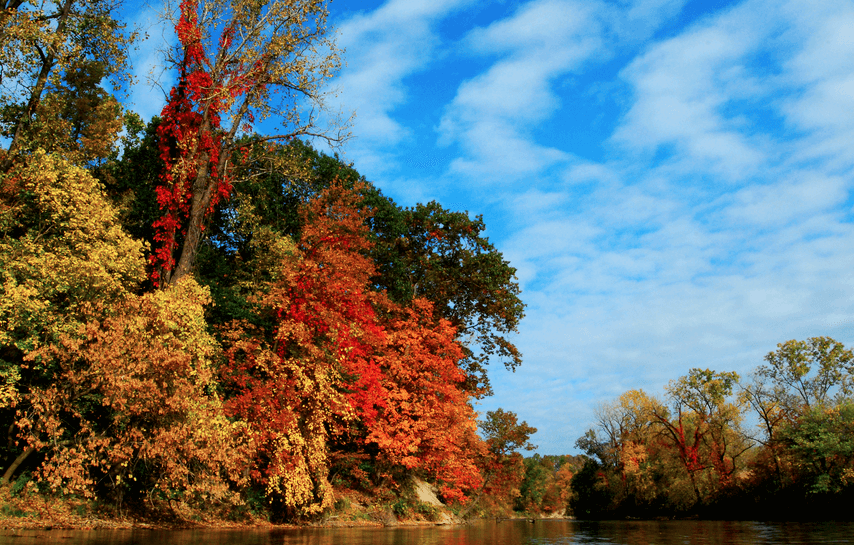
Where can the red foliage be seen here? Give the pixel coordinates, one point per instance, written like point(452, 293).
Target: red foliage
point(394, 370)
point(189, 138)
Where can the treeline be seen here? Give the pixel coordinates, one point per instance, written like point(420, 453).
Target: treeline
point(197, 318)
point(779, 445)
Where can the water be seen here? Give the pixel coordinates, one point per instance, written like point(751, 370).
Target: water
point(550, 532)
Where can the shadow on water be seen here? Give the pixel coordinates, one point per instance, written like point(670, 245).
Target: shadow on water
point(550, 532)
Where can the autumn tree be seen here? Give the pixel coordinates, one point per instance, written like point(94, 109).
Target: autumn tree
point(631, 448)
point(60, 50)
point(702, 428)
point(62, 250)
point(425, 421)
point(344, 363)
point(443, 256)
point(806, 374)
point(238, 63)
point(285, 375)
point(546, 485)
point(624, 424)
point(501, 464)
point(128, 409)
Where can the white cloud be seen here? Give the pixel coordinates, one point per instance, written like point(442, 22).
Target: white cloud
point(778, 204)
point(739, 240)
point(822, 71)
point(493, 114)
point(383, 48)
point(682, 87)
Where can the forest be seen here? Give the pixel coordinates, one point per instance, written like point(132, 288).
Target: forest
point(204, 317)
point(776, 445)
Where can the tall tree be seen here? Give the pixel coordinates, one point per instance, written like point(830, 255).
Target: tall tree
point(239, 63)
point(62, 252)
point(500, 462)
point(703, 426)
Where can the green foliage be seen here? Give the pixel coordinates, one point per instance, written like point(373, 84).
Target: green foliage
point(591, 494)
point(822, 445)
point(532, 490)
point(443, 256)
point(20, 483)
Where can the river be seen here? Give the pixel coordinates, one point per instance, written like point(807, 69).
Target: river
point(546, 532)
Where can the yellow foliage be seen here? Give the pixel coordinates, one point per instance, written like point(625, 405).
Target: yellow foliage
point(61, 248)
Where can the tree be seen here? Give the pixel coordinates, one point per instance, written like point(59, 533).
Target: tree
point(307, 368)
point(504, 434)
point(443, 256)
point(425, 421)
point(331, 360)
point(591, 494)
point(128, 409)
point(822, 443)
point(811, 373)
point(42, 44)
point(629, 419)
point(801, 381)
point(238, 63)
point(703, 430)
point(501, 465)
point(62, 251)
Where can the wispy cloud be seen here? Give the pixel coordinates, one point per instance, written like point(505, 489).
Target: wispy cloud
point(383, 48)
point(493, 115)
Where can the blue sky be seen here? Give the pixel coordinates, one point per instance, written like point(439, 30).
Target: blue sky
point(672, 179)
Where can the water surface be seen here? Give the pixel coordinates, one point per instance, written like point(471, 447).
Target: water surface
point(549, 532)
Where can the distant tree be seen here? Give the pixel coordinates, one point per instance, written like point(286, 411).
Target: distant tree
point(822, 444)
point(591, 494)
point(813, 373)
point(703, 428)
point(501, 464)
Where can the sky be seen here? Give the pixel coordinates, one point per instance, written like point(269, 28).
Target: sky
point(672, 180)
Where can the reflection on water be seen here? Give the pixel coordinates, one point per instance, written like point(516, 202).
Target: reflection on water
point(552, 532)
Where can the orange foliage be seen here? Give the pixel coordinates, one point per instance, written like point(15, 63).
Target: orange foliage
point(427, 422)
point(130, 406)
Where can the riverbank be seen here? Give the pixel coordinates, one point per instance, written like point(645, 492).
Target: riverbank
point(419, 507)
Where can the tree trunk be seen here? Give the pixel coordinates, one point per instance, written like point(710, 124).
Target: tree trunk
point(7, 476)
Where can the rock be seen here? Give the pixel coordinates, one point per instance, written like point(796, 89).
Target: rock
point(426, 493)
